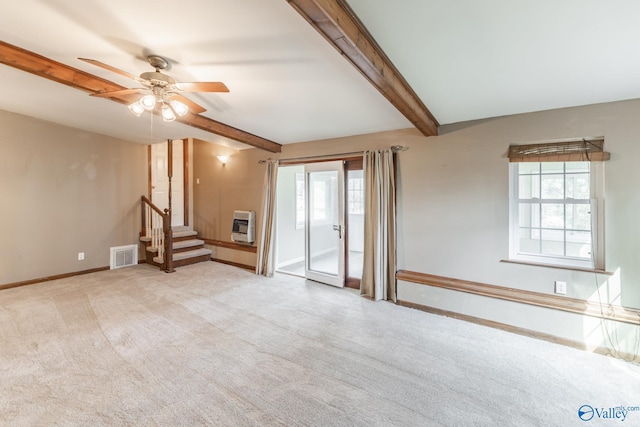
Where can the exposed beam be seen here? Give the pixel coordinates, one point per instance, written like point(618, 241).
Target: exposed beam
point(49, 69)
point(335, 20)
point(209, 125)
point(41, 66)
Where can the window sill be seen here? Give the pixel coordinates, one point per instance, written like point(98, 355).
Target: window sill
point(561, 267)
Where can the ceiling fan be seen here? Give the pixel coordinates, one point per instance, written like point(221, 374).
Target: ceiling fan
point(165, 91)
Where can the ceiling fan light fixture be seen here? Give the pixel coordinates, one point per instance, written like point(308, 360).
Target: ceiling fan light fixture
point(164, 90)
point(136, 108)
point(167, 113)
point(180, 108)
point(148, 102)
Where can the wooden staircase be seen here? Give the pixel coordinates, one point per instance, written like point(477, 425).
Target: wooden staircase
point(187, 249)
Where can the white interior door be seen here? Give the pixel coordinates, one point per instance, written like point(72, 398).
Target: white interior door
point(160, 180)
point(324, 242)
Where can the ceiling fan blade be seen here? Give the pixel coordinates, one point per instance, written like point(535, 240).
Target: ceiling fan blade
point(193, 107)
point(112, 93)
point(110, 68)
point(202, 87)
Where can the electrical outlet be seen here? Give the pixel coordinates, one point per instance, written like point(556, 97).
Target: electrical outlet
point(80, 256)
point(561, 287)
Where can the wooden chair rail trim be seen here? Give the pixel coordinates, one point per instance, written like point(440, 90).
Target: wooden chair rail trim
point(572, 305)
point(520, 331)
point(235, 264)
point(230, 245)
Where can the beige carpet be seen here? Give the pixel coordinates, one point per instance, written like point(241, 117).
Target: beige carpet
point(215, 345)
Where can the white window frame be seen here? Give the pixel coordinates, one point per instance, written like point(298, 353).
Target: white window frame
point(596, 187)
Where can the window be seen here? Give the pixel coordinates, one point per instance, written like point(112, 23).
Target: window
point(319, 201)
point(355, 192)
point(300, 212)
point(322, 187)
point(555, 213)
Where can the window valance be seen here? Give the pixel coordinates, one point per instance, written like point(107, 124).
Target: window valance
point(584, 150)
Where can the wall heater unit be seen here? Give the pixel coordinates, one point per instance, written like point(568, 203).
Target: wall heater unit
point(124, 256)
point(244, 225)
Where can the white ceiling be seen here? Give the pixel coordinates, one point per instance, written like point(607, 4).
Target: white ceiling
point(465, 59)
point(470, 59)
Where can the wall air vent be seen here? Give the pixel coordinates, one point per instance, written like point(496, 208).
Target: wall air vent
point(124, 256)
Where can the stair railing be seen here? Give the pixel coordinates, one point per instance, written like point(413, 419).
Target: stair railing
point(156, 227)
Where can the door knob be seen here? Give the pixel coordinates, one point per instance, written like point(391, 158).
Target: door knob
point(338, 228)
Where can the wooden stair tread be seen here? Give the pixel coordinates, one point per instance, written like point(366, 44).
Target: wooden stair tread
point(184, 233)
point(179, 256)
point(191, 254)
point(182, 244)
point(187, 248)
point(187, 243)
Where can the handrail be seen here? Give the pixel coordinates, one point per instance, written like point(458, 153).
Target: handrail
point(146, 200)
point(156, 226)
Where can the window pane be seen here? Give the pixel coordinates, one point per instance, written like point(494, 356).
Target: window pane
point(355, 193)
point(529, 167)
point(529, 215)
point(553, 242)
point(552, 187)
point(578, 186)
point(355, 204)
point(577, 167)
point(578, 217)
point(529, 241)
point(529, 186)
point(318, 200)
point(552, 215)
point(300, 212)
point(552, 167)
point(579, 244)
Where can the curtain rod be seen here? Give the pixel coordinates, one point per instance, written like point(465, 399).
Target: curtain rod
point(395, 148)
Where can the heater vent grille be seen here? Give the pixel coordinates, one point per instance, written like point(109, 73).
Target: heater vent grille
point(124, 256)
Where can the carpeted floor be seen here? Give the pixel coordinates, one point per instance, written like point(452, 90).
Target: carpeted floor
point(215, 345)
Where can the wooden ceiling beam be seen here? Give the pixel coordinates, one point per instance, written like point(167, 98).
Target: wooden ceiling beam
point(337, 22)
point(41, 66)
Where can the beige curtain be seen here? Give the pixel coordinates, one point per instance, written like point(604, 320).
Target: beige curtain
point(379, 263)
point(266, 250)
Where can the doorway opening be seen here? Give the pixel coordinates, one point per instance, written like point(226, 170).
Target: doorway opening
point(160, 167)
point(320, 221)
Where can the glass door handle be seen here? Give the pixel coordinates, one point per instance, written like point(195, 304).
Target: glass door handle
point(338, 228)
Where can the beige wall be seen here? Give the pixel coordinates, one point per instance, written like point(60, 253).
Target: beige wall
point(454, 200)
point(238, 184)
point(64, 191)
point(453, 206)
point(453, 220)
point(219, 190)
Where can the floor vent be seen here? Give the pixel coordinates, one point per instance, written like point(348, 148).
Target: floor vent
point(124, 256)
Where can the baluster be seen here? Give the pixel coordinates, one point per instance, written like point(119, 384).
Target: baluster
point(161, 243)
